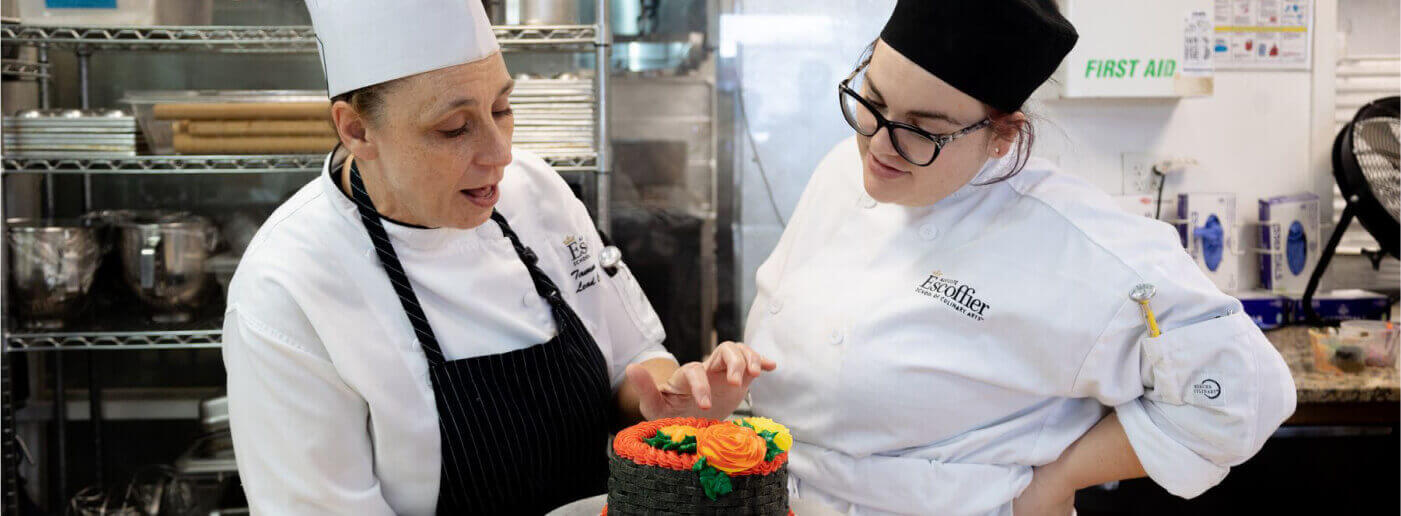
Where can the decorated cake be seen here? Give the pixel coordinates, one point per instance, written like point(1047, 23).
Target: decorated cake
point(699, 466)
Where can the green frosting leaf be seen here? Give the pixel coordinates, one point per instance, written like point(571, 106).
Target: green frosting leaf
point(687, 445)
point(715, 483)
point(772, 450)
point(658, 441)
point(663, 442)
point(700, 464)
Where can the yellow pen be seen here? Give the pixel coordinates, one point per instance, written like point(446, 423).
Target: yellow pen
point(1142, 293)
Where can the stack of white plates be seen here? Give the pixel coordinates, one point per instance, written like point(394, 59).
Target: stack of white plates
point(70, 132)
point(554, 116)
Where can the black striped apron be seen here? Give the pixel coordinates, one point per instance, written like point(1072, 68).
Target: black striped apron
point(522, 432)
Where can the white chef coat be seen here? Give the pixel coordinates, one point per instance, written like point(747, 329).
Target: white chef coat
point(330, 403)
point(930, 356)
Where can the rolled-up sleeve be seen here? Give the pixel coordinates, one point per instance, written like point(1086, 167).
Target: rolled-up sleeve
point(300, 433)
point(1198, 399)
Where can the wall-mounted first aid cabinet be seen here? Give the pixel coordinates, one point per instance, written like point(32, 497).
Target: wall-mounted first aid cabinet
point(1138, 48)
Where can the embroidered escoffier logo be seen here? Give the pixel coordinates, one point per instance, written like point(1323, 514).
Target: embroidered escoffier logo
point(1208, 388)
point(578, 250)
point(955, 294)
point(585, 274)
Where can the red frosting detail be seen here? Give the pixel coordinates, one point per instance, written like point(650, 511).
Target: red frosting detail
point(629, 444)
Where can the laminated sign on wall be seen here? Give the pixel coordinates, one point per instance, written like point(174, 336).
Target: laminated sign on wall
point(1139, 48)
point(1273, 34)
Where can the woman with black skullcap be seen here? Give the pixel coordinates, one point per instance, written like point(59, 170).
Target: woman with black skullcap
point(965, 330)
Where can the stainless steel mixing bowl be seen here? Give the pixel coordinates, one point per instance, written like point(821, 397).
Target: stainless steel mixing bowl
point(52, 263)
point(163, 261)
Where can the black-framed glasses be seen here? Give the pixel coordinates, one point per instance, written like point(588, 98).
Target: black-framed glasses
point(917, 146)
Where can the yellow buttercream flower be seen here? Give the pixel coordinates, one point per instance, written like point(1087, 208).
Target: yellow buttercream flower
point(781, 437)
point(678, 433)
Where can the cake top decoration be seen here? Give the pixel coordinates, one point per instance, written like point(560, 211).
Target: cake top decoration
point(715, 450)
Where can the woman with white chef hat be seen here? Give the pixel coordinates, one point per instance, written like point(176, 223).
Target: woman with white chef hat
point(957, 322)
point(433, 325)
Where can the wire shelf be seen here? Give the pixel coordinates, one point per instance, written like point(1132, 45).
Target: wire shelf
point(570, 161)
point(561, 36)
point(561, 160)
point(207, 38)
point(261, 39)
point(58, 164)
point(148, 340)
point(24, 69)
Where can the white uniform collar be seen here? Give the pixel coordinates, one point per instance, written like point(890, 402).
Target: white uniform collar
point(401, 235)
point(991, 170)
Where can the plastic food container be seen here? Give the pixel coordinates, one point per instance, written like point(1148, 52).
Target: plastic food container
point(160, 134)
point(1335, 353)
point(1378, 340)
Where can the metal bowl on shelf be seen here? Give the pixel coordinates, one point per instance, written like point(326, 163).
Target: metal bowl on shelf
point(52, 263)
point(163, 261)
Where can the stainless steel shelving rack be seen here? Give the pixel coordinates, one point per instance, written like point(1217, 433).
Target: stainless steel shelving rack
point(190, 339)
point(590, 167)
point(268, 39)
point(232, 164)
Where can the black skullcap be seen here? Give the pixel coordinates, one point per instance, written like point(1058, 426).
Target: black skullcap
point(996, 51)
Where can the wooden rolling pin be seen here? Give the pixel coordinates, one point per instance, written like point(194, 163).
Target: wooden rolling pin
point(245, 111)
point(255, 127)
point(190, 144)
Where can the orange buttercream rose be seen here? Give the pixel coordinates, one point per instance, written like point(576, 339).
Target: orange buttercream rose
point(730, 448)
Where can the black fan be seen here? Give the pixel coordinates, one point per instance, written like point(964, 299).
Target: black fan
point(1365, 164)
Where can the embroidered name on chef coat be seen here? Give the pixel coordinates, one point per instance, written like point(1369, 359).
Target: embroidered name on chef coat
point(585, 272)
point(955, 294)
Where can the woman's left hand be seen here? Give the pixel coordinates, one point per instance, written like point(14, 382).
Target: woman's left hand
point(713, 388)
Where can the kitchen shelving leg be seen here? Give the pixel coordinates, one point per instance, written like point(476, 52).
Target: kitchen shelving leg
point(95, 415)
point(44, 101)
point(60, 422)
point(84, 90)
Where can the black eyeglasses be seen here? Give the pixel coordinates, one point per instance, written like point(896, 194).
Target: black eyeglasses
point(917, 146)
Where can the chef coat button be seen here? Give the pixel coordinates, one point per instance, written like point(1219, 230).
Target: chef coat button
point(775, 306)
point(928, 232)
point(528, 300)
point(835, 338)
point(610, 257)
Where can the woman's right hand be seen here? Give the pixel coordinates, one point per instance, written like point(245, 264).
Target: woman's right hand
point(712, 389)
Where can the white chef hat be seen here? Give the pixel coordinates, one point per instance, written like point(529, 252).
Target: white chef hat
point(366, 42)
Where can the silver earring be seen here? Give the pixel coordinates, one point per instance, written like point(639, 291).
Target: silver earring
point(997, 150)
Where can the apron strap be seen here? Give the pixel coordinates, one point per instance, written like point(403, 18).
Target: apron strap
point(543, 285)
point(395, 270)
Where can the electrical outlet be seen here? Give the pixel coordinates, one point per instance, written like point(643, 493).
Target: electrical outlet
point(1138, 174)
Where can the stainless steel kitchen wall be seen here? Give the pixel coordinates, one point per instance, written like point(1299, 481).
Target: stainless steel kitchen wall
point(779, 65)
